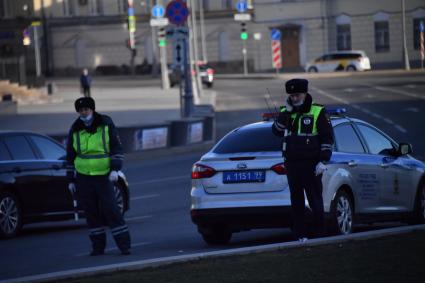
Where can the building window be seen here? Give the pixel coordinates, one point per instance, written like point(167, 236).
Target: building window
point(416, 33)
point(226, 4)
point(96, 7)
point(382, 37)
point(343, 37)
point(122, 6)
point(206, 4)
point(68, 7)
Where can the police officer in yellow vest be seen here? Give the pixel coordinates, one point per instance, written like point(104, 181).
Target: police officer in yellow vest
point(307, 146)
point(95, 151)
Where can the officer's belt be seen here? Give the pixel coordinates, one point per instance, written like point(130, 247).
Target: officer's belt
point(92, 156)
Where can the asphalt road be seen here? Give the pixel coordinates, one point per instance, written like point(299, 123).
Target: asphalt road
point(159, 216)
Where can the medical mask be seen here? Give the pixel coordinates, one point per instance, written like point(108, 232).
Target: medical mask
point(298, 103)
point(86, 119)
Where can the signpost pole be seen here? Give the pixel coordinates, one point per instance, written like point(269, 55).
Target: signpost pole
point(188, 94)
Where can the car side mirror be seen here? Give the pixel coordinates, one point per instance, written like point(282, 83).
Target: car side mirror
point(404, 148)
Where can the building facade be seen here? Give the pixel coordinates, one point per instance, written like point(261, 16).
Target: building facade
point(94, 34)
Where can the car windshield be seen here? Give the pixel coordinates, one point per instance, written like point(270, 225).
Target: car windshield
point(249, 140)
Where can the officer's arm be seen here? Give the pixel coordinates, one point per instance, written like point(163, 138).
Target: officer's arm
point(70, 157)
point(117, 156)
point(281, 123)
point(324, 128)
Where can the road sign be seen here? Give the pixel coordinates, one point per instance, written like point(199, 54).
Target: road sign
point(178, 53)
point(276, 54)
point(241, 6)
point(275, 34)
point(158, 11)
point(242, 17)
point(159, 22)
point(177, 12)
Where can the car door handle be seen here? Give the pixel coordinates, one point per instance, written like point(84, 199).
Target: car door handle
point(56, 167)
point(352, 163)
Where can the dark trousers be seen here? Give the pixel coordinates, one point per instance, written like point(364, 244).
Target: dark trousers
point(97, 198)
point(86, 91)
point(301, 178)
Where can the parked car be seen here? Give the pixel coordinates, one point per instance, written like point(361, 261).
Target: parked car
point(340, 61)
point(206, 74)
point(241, 183)
point(33, 182)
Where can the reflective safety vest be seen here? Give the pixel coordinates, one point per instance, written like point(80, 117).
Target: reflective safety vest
point(303, 144)
point(307, 123)
point(92, 150)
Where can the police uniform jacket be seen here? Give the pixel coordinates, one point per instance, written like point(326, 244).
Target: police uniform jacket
point(114, 146)
point(309, 132)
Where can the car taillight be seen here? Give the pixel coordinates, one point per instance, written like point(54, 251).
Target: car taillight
point(210, 71)
point(279, 169)
point(200, 171)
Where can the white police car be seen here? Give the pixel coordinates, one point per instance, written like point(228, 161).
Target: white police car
point(240, 184)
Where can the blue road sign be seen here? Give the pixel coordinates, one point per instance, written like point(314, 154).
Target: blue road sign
point(177, 12)
point(275, 34)
point(241, 6)
point(421, 27)
point(158, 11)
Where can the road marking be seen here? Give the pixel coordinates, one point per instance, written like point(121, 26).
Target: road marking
point(364, 110)
point(400, 128)
point(161, 180)
point(138, 217)
point(402, 92)
point(115, 249)
point(411, 109)
point(410, 86)
point(145, 197)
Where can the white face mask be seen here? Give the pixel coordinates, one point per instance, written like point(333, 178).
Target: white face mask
point(298, 103)
point(87, 118)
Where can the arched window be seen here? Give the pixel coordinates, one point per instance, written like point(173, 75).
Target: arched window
point(343, 32)
point(382, 33)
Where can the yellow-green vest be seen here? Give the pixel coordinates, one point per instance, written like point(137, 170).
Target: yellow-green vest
point(92, 150)
point(314, 113)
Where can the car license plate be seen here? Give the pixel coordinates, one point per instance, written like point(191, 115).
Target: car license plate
point(244, 176)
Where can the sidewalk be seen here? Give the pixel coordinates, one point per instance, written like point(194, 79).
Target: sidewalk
point(130, 102)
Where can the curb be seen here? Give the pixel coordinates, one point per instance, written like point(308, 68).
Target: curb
point(142, 264)
point(265, 76)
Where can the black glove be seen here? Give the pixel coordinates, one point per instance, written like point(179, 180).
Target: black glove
point(284, 118)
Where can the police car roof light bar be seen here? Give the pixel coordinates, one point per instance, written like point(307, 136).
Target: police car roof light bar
point(335, 111)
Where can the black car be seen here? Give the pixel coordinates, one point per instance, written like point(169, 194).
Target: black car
point(33, 183)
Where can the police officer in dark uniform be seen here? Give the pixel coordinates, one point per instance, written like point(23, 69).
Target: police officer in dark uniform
point(307, 146)
point(95, 151)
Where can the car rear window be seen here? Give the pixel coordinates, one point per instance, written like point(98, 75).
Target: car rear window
point(249, 140)
point(19, 147)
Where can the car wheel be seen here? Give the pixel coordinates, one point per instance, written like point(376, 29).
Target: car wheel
point(216, 236)
point(10, 215)
point(120, 197)
point(342, 213)
point(419, 213)
point(312, 70)
point(351, 68)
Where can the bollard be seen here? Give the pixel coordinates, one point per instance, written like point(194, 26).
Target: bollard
point(49, 88)
point(7, 97)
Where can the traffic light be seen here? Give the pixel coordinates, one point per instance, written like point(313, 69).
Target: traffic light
point(244, 34)
point(161, 37)
point(26, 39)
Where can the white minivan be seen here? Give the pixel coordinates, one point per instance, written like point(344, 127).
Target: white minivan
point(354, 60)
